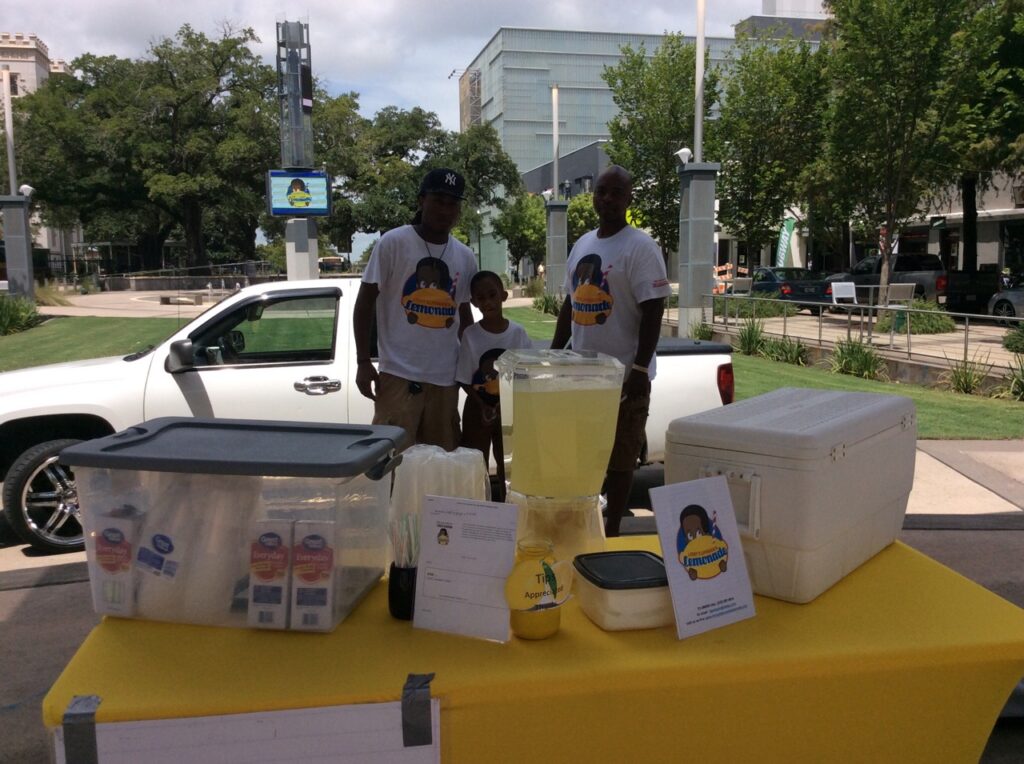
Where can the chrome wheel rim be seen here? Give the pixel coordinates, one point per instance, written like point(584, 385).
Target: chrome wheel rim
point(49, 504)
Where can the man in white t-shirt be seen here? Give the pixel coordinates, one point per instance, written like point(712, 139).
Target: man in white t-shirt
point(615, 287)
point(417, 286)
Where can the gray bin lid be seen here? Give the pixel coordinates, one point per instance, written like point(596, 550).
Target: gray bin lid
point(244, 447)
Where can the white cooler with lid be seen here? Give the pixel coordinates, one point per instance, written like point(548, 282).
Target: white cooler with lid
point(819, 479)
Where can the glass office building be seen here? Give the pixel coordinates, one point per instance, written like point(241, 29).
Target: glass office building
point(508, 86)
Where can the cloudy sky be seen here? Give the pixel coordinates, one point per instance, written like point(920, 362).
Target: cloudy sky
point(389, 51)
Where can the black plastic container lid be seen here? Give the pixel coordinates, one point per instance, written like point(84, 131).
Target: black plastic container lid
point(244, 447)
point(622, 570)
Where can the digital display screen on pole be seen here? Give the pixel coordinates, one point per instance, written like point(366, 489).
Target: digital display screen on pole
point(299, 193)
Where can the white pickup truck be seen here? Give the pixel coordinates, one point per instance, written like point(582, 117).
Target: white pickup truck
point(279, 351)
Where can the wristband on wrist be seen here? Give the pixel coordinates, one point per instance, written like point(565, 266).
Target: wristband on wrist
point(638, 367)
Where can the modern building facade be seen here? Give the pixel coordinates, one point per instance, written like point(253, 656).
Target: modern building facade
point(508, 86)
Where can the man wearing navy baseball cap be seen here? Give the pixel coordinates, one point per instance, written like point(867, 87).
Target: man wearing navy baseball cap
point(417, 286)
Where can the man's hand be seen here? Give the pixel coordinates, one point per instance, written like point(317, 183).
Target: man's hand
point(637, 384)
point(367, 380)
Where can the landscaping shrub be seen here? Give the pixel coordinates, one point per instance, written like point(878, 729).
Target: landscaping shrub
point(534, 287)
point(967, 376)
point(757, 305)
point(785, 350)
point(1014, 339)
point(1014, 387)
point(701, 331)
point(857, 359)
point(547, 303)
point(750, 337)
point(46, 294)
point(936, 321)
point(17, 314)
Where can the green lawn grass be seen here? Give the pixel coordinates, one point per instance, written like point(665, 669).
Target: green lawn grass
point(539, 326)
point(941, 414)
point(73, 339)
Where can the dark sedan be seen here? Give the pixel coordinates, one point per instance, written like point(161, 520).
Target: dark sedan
point(808, 289)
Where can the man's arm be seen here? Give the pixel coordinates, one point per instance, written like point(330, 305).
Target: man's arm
point(639, 382)
point(563, 328)
point(367, 378)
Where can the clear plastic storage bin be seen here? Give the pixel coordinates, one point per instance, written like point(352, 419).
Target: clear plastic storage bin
point(225, 522)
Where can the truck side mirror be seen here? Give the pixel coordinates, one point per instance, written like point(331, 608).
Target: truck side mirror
point(179, 357)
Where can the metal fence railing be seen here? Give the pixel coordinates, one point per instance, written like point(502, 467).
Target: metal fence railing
point(974, 337)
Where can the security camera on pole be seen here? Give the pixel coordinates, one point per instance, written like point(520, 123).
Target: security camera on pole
point(298, 191)
point(17, 231)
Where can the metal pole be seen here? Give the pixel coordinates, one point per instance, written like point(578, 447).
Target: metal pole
point(9, 128)
point(554, 142)
point(698, 97)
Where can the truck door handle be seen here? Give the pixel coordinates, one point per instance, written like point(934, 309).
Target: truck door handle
point(318, 385)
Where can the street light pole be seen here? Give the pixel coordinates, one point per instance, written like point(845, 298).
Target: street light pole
point(698, 98)
point(5, 73)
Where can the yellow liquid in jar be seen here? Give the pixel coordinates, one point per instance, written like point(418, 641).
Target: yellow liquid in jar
point(536, 624)
point(563, 440)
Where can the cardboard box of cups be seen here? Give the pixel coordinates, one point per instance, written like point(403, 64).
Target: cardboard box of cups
point(227, 522)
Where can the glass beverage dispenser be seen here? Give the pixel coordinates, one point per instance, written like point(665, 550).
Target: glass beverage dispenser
point(558, 415)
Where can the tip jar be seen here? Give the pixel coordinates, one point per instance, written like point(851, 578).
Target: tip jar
point(536, 589)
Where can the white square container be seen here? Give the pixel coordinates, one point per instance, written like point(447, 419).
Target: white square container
point(625, 590)
point(178, 516)
point(819, 479)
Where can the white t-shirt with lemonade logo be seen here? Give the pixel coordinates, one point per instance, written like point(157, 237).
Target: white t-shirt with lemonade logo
point(421, 288)
point(607, 279)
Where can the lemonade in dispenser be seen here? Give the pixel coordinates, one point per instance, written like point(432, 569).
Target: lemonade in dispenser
point(558, 414)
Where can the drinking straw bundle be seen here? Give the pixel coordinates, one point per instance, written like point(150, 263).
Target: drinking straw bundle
point(405, 540)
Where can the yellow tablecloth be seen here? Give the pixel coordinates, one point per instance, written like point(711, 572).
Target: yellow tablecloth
point(902, 660)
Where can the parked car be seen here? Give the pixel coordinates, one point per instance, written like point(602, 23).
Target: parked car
point(925, 271)
point(809, 289)
point(277, 351)
point(1009, 303)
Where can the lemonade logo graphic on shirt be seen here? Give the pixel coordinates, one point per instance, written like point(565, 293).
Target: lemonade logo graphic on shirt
point(428, 296)
point(591, 301)
point(702, 550)
point(485, 378)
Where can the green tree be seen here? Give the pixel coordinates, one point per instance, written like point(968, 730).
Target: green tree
point(580, 216)
point(655, 97)
point(991, 122)
point(770, 132)
point(523, 226)
point(162, 142)
point(901, 71)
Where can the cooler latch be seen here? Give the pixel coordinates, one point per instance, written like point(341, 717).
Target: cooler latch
point(838, 452)
point(745, 491)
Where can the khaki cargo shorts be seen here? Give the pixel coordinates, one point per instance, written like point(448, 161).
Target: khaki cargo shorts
point(430, 413)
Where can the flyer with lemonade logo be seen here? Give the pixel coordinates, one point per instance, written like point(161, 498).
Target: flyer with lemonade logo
point(707, 574)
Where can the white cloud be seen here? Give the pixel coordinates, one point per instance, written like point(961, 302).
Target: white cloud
point(389, 51)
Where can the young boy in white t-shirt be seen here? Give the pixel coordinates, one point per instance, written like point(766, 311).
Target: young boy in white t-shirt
point(482, 344)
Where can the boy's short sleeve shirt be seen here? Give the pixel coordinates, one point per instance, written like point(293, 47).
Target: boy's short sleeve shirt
point(480, 349)
point(607, 279)
point(421, 287)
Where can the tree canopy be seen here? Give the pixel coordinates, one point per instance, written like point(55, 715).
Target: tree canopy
point(178, 143)
point(655, 97)
point(768, 135)
point(523, 225)
point(580, 217)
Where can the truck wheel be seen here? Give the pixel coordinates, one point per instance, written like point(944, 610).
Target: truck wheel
point(1003, 310)
point(41, 499)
